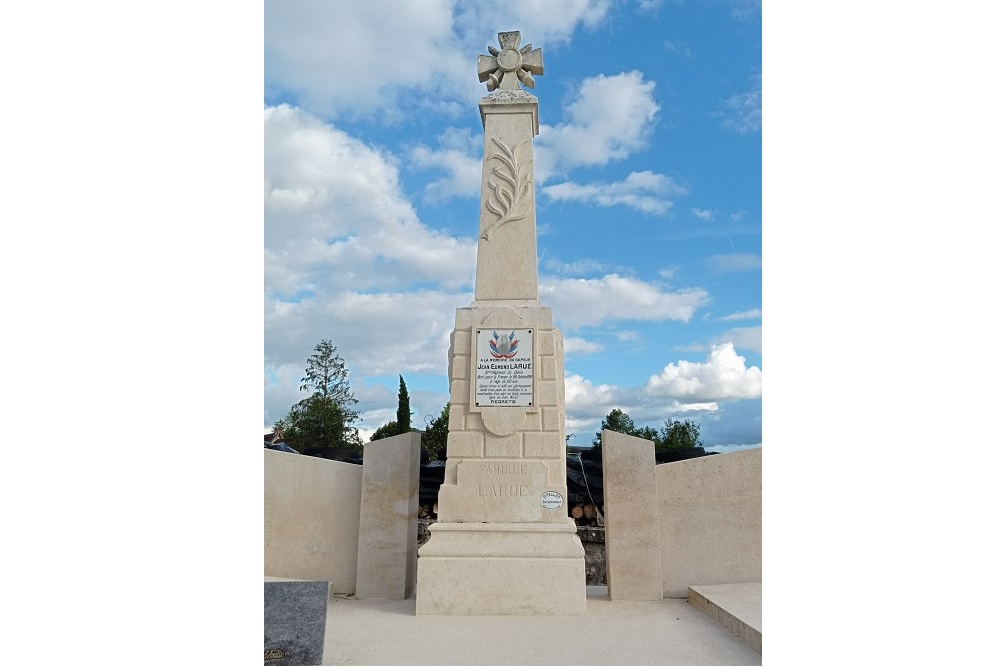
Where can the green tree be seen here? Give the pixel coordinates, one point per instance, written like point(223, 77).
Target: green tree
point(402, 423)
point(325, 418)
point(435, 437)
point(386, 430)
point(617, 420)
point(674, 434)
point(403, 410)
point(677, 434)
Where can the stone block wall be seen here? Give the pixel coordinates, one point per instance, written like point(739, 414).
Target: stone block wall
point(311, 517)
point(710, 521)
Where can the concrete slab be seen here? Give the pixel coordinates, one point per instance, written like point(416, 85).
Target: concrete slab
point(661, 632)
point(736, 606)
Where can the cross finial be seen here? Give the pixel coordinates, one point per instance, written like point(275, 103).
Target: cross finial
point(513, 63)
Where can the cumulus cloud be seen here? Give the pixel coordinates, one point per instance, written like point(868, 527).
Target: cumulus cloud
point(357, 57)
point(702, 214)
point(375, 334)
point(575, 346)
point(334, 214)
point(609, 118)
point(744, 338)
point(341, 243)
point(587, 404)
point(585, 398)
point(457, 157)
point(723, 375)
point(549, 25)
point(589, 302)
point(643, 191)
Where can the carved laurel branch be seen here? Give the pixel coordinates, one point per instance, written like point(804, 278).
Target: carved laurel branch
point(512, 187)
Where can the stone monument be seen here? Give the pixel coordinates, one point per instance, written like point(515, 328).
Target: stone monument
point(504, 543)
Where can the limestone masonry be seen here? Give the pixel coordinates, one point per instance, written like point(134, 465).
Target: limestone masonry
point(504, 543)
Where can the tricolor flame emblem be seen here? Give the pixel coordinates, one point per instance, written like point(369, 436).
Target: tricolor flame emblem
point(503, 346)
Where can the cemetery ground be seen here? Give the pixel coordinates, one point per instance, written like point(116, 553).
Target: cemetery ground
point(664, 632)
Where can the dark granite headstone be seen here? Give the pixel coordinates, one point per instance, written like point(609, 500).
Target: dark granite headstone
point(294, 622)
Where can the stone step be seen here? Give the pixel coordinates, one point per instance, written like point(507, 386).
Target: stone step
point(736, 606)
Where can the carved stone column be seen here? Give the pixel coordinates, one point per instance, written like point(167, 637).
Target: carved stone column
point(504, 543)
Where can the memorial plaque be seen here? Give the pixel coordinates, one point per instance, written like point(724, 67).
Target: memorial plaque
point(504, 374)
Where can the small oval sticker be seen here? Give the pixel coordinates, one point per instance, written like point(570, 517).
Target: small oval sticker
point(552, 500)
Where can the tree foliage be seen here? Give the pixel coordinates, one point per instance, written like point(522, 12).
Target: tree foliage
point(674, 434)
point(679, 435)
point(402, 423)
point(325, 418)
point(617, 420)
point(403, 409)
point(386, 430)
point(435, 438)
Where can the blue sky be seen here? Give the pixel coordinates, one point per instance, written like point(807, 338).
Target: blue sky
point(648, 193)
point(133, 156)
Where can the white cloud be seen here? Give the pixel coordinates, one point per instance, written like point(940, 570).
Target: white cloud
point(335, 217)
point(610, 118)
point(547, 25)
point(668, 273)
point(742, 113)
point(590, 302)
point(702, 213)
point(745, 10)
point(579, 346)
point(735, 262)
point(745, 338)
point(729, 449)
point(644, 191)
point(358, 57)
point(576, 268)
point(375, 334)
point(627, 336)
point(588, 404)
point(680, 48)
point(458, 158)
point(334, 214)
point(752, 314)
point(724, 375)
point(582, 397)
point(649, 5)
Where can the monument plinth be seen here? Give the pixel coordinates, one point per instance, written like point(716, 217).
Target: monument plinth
point(504, 542)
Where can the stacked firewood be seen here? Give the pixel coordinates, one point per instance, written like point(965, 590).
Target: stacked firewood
point(584, 514)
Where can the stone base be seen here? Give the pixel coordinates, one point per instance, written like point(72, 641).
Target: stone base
point(502, 569)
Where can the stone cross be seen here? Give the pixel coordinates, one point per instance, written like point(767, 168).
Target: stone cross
point(503, 69)
point(506, 267)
